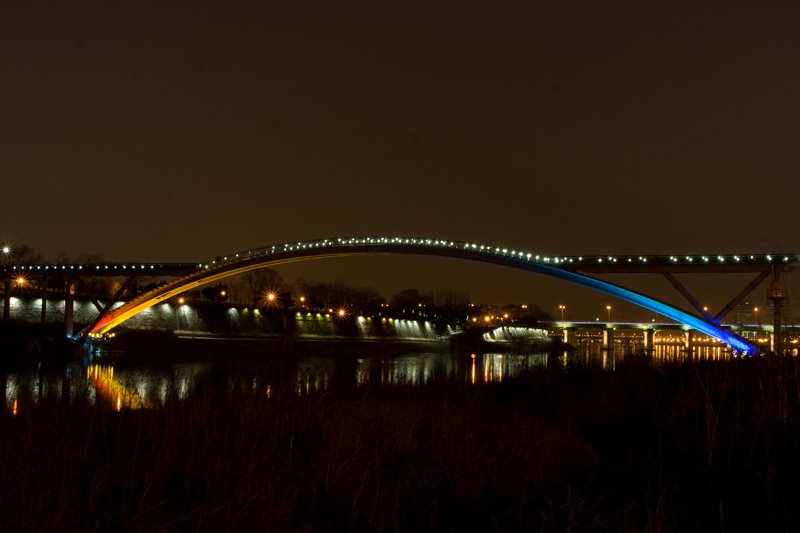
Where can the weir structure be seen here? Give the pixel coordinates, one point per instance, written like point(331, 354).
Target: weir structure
point(574, 269)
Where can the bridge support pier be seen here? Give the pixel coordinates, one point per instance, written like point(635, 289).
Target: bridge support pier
point(777, 295)
point(69, 310)
point(688, 344)
point(44, 302)
point(6, 299)
point(568, 335)
point(649, 339)
point(608, 339)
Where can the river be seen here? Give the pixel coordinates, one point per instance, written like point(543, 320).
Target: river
point(230, 369)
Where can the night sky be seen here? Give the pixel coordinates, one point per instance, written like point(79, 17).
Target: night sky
point(152, 133)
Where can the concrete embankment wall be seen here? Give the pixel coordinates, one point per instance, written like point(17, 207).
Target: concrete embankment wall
point(205, 318)
point(30, 310)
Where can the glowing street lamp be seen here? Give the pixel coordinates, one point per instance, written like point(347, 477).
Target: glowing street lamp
point(7, 255)
point(608, 309)
point(562, 308)
point(755, 312)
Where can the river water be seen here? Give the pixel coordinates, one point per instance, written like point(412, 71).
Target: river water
point(123, 386)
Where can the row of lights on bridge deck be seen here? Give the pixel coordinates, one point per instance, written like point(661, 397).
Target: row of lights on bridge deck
point(287, 247)
point(80, 267)
point(7, 252)
point(428, 242)
point(376, 241)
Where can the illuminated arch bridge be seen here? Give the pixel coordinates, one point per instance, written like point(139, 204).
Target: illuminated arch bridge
point(563, 268)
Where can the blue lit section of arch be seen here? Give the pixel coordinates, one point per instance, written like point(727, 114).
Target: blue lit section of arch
point(737, 343)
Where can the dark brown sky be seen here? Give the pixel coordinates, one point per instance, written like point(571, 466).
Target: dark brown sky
point(185, 132)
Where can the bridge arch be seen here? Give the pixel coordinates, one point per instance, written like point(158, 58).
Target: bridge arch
point(279, 254)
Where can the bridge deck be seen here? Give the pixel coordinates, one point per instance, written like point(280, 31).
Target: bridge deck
point(77, 270)
point(648, 263)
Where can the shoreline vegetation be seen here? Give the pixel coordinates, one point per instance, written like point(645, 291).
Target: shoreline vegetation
point(697, 446)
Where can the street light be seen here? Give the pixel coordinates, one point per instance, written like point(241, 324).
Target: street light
point(608, 309)
point(7, 255)
point(561, 308)
point(755, 311)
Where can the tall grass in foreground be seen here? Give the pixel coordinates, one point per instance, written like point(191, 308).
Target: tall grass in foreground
point(707, 446)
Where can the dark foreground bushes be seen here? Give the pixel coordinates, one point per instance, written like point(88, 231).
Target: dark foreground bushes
point(678, 448)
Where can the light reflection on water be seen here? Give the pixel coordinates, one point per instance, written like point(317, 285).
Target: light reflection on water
point(145, 388)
